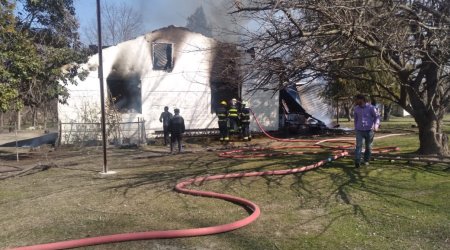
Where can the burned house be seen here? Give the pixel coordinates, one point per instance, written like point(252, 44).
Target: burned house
point(177, 68)
point(171, 67)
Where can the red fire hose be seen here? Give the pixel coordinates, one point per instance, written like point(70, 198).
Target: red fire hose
point(337, 151)
point(180, 187)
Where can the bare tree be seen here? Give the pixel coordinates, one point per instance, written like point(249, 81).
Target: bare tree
point(120, 22)
point(410, 37)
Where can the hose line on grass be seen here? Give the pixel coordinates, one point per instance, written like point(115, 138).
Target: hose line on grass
point(337, 151)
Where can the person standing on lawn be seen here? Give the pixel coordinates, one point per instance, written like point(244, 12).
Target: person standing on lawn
point(366, 121)
point(245, 121)
point(233, 116)
point(165, 118)
point(176, 128)
point(222, 114)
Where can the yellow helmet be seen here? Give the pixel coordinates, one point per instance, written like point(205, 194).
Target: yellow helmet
point(223, 102)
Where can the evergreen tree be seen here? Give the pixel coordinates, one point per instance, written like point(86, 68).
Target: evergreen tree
point(197, 23)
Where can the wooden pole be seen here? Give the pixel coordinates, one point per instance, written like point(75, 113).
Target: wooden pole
point(102, 91)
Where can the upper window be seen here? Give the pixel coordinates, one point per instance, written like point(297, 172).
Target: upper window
point(162, 56)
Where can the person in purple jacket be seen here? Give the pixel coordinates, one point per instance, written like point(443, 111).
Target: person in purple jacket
point(367, 121)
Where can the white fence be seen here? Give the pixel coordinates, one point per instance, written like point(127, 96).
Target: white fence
point(90, 134)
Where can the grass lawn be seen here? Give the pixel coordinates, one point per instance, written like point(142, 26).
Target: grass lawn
point(387, 205)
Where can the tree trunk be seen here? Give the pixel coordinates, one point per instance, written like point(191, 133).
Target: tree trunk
point(347, 112)
point(432, 140)
point(2, 124)
point(45, 117)
point(19, 120)
point(34, 116)
point(387, 112)
point(428, 111)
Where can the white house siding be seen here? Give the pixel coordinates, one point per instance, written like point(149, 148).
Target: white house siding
point(186, 87)
point(265, 105)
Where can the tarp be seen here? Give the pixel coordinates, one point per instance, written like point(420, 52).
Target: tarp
point(34, 142)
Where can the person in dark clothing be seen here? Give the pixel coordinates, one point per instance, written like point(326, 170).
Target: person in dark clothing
point(165, 118)
point(176, 128)
point(245, 121)
point(222, 114)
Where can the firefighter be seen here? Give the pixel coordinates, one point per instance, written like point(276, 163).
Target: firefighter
point(245, 121)
point(222, 114)
point(233, 115)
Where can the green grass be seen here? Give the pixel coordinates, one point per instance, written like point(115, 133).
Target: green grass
point(388, 205)
point(396, 124)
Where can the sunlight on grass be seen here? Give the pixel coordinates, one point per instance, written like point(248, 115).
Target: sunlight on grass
point(382, 206)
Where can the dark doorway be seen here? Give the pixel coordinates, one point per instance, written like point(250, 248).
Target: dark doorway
point(225, 76)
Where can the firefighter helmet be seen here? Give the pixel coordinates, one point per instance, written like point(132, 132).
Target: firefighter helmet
point(223, 103)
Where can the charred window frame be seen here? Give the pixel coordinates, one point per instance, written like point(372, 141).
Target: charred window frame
point(162, 56)
point(125, 93)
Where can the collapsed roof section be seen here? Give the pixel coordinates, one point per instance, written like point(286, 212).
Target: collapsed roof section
point(313, 103)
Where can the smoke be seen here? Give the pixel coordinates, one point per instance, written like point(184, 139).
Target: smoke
point(157, 14)
point(225, 27)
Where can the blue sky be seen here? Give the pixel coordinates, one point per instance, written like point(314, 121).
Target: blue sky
point(155, 13)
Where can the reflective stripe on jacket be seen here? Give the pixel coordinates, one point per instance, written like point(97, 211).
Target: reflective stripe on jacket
point(245, 115)
point(233, 111)
point(222, 113)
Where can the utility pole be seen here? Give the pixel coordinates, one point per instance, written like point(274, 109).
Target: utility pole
point(102, 91)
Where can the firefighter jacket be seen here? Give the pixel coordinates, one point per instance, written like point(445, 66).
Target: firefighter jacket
point(233, 111)
point(245, 115)
point(222, 113)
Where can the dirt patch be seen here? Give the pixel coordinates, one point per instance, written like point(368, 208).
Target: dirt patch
point(7, 169)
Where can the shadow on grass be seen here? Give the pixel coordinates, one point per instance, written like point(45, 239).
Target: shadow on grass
point(13, 156)
point(162, 172)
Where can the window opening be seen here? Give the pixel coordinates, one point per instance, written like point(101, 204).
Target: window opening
point(163, 56)
point(125, 94)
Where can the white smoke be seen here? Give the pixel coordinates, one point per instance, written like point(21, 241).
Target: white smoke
point(175, 12)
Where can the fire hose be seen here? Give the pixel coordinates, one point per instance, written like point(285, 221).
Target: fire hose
point(337, 152)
